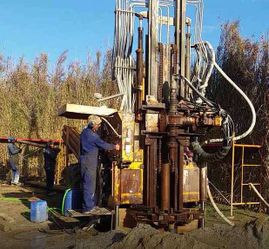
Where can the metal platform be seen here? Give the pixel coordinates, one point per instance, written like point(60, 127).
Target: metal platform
point(94, 213)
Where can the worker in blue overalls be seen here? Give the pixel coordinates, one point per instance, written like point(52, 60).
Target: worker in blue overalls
point(50, 155)
point(13, 160)
point(90, 143)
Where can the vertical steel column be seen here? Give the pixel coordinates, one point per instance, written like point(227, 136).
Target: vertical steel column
point(242, 173)
point(153, 47)
point(203, 183)
point(232, 179)
point(188, 57)
point(139, 74)
point(180, 38)
point(180, 175)
point(165, 188)
point(151, 172)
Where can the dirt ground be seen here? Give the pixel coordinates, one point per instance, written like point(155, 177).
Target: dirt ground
point(17, 231)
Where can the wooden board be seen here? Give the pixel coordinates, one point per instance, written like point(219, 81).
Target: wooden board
point(74, 111)
point(100, 212)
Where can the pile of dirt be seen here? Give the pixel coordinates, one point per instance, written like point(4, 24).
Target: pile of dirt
point(254, 234)
point(6, 223)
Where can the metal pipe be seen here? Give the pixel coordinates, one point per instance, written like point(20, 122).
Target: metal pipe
point(139, 74)
point(232, 179)
point(173, 158)
point(110, 97)
point(153, 45)
point(203, 177)
point(202, 220)
point(116, 217)
point(161, 72)
point(180, 176)
point(165, 187)
point(188, 58)
point(203, 180)
point(173, 96)
point(177, 15)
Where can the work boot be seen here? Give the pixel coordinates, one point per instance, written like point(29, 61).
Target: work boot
point(91, 211)
point(16, 183)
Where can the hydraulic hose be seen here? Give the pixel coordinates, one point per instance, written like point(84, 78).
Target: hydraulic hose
point(112, 128)
point(253, 122)
point(63, 201)
point(210, 157)
point(216, 207)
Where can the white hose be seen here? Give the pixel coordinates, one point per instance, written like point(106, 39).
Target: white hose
point(216, 207)
point(253, 122)
point(258, 193)
point(112, 128)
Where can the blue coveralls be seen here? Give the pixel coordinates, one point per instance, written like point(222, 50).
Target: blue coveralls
point(50, 155)
point(13, 152)
point(90, 143)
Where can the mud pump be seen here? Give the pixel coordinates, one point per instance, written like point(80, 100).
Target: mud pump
point(160, 175)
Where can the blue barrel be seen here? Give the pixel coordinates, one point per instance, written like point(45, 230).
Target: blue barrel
point(39, 211)
point(72, 200)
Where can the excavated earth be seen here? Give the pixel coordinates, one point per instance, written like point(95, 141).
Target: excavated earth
point(16, 231)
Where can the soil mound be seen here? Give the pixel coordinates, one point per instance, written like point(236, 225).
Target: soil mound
point(254, 234)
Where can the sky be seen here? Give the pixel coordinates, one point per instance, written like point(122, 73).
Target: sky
point(31, 27)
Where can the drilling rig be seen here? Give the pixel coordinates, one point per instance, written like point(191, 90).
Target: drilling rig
point(160, 173)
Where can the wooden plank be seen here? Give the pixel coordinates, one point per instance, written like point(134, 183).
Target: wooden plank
point(98, 212)
point(65, 219)
point(74, 111)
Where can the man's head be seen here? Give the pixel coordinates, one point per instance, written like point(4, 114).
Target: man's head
point(94, 122)
point(11, 139)
point(50, 144)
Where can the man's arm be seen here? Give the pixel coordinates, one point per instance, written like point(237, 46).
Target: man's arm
point(13, 149)
point(100, 143)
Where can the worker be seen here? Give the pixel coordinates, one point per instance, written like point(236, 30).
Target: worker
point(50, 155)
point(13, 152)
point(90, 143)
